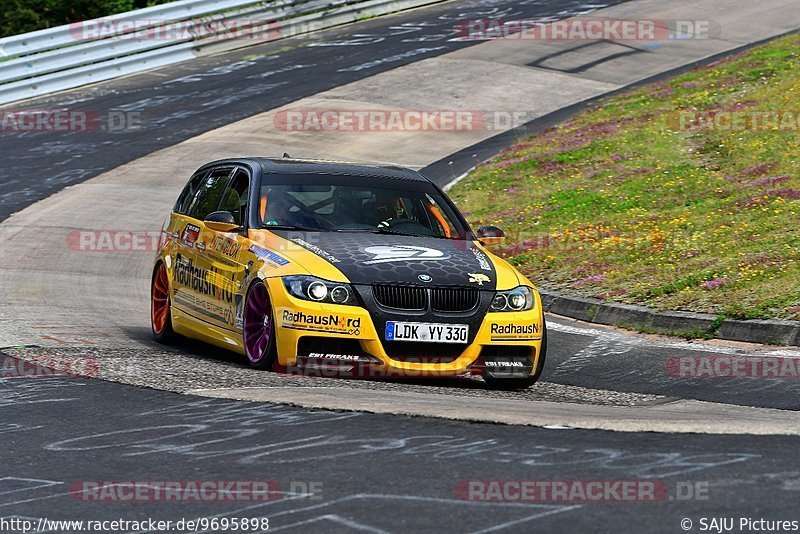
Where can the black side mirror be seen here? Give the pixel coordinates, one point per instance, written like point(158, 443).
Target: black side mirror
point(221, 221)
point(490, 235)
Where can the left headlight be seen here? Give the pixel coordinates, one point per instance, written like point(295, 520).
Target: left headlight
point(513, 300)
point(319, 290)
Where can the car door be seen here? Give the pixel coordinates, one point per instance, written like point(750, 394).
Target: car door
point(179, 232)
point(225, 258)
point(193, 290)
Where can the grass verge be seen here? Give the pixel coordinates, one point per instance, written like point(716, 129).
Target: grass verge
point(682, 195)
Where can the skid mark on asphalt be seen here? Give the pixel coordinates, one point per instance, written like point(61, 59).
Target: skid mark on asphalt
point(598, 347)
point(634, 340)
point(210, 411)
point(16, 427)
point(18, 490)
point(16, 391)
point(231, 433)
point(317, 514)
point(446, 507)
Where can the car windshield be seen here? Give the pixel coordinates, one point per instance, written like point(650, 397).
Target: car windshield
point(359, 204)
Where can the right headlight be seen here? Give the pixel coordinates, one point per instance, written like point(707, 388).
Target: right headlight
point(319, 290)
point(513, 300)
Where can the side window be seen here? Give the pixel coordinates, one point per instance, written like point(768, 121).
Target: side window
point(188, 193)
point(234, 199)
point(209, 194)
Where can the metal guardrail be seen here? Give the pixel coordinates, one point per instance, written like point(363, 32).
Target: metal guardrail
point(64, 57)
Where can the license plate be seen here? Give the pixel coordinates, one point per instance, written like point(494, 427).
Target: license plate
point(427, 332)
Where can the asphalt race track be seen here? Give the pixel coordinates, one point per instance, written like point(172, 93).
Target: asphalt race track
point(609, 406)
point(179, 102)
point(377, 473)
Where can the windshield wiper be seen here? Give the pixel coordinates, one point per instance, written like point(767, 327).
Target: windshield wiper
point(386, 231)
point(294, 227)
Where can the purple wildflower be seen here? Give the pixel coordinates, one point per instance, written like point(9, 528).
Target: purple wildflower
point(713, 284)
point(769, 181)
point(759, 170)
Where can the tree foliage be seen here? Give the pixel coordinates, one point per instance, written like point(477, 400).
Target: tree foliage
point(21, 16)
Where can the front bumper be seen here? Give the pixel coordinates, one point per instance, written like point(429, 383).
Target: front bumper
point(339, 339)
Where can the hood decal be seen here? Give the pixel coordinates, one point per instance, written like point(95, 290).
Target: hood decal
point(478, 278)
point(316, 250)
point(398, 253)
point(366, 258)
point(483, 261)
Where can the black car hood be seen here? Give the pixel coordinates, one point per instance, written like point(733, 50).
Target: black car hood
point(367, 258)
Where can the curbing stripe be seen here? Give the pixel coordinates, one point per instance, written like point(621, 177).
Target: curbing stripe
point(590, 310)
point(677, 416)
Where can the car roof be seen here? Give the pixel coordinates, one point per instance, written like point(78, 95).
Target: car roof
point(311, 166)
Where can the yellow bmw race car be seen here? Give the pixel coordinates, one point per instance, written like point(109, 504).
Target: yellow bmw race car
point(357, 270)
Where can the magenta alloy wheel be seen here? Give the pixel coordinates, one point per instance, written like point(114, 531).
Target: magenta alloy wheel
point(258, 324)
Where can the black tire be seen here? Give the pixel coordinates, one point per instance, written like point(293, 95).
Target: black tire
point(166, 335)
point(510, 384)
